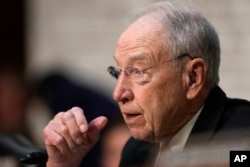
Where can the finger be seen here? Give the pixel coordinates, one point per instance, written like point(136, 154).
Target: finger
point(95, 127)
point(53, 140)
point(64, 124)
point(64, 131)
point(98, 123)
point(81, 120)
point(70, 129)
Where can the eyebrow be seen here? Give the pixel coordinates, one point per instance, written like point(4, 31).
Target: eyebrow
point(142, 56)
point(134, 57)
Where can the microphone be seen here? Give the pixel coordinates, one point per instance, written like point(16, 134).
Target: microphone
point(38, 157)
point(15, 145)
point(18, 146)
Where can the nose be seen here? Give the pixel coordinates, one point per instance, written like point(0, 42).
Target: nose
point(123, 92)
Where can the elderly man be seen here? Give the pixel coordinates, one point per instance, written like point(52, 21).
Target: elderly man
point(167, 89)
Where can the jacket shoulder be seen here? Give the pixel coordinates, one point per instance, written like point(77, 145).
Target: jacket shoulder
point(237, 113)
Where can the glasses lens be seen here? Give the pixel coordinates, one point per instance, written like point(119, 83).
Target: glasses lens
point(113, 72)
point(135, 73)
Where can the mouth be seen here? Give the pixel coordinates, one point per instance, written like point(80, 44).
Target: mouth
point(132, 118)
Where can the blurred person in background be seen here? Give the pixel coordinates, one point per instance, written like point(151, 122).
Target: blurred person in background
point(13, 115)
point(13, 88)
point(15, 131)
point(167, 90)
point(13, 103)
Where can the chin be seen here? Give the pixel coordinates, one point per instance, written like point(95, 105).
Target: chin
point(145, 136)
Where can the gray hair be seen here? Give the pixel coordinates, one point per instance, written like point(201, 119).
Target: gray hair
point(186, 32)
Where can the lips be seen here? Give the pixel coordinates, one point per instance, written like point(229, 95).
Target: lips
point(132, 118)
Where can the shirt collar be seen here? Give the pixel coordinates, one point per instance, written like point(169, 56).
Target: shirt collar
point(177, 143)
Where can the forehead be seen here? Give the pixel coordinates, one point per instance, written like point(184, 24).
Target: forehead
point(141, 41)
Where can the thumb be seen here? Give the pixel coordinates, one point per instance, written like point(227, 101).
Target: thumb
point(95, 127)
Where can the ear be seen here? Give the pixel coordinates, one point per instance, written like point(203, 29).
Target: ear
point(195, 75)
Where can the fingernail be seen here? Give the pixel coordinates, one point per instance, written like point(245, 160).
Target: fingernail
point(83, 128)
point(79, 140)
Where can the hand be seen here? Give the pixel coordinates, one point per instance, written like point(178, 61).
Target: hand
point(69, 137)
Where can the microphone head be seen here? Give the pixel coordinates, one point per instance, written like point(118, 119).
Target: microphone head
point(39, 157)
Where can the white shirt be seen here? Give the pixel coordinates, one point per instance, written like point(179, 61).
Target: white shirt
point(177, 143)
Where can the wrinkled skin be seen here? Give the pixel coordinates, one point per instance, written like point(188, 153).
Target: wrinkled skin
point(68, 137)
point(149, 108)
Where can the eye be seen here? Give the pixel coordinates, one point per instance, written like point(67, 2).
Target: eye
point(131, 70)
point(136, 72)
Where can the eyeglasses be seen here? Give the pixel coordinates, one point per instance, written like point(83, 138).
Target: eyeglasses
point(137, 74)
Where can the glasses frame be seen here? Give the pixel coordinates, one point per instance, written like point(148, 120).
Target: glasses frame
point(115, 72)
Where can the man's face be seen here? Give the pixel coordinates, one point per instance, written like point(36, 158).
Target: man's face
point(153, 110)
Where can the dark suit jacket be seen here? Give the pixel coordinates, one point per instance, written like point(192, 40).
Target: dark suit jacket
point(222, 120)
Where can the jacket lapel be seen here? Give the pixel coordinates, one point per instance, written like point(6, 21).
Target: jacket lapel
point(208, 120)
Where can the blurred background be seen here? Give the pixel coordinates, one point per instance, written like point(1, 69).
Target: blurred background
point(79, 37)
point(54, 55)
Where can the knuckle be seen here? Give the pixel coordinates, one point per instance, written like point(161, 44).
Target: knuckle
point(45, 132)
point(75, 133)
point(59, 140)
point(59, 115)
point(47, 129)
point(63, 130)
point(68, 115)
point(47, 135)
point(77, 110)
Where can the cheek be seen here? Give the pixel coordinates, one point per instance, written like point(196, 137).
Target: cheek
point(160, 103)
point(151, 104)
point(146, 103)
